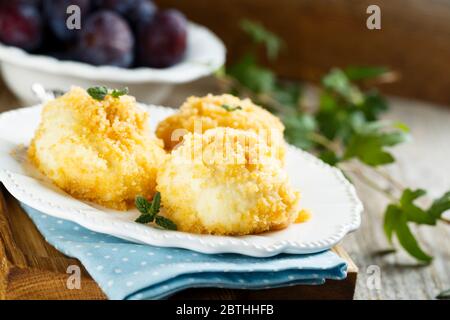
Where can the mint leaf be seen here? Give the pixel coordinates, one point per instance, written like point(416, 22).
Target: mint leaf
point(143, 205)
point(156, 204)
point(165, 223)
point(98, 93)
point(144, 218)
point(148, 210)
point(261, 35)
point(230, 108)
point(116, 93)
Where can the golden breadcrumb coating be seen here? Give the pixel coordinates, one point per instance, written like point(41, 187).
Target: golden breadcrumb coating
point(100, 151)
point(226, 182)
point(199, 114)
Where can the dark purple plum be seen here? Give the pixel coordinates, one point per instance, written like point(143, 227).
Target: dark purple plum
point(106, 39)
point(118, 6)
point(56, 14)
point(134, 11)
point(20, 25)
point(141, 12)
point(162, 40)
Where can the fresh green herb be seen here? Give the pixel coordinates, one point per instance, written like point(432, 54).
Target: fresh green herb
point(150, 210)
point(165, 223)
point(444, 295)
point(119, 92)
point(98, 93)
point(230, 108)
point(397, 217)
point(368, 141)
point(343, 126)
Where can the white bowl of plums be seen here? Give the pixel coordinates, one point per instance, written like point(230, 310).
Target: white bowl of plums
point(116, 43)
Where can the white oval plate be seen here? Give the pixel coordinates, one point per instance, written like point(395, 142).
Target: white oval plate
point(332, 200)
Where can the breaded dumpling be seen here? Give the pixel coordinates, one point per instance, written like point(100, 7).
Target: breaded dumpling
point(102, 151)
point(199, 114)
point(226, 182)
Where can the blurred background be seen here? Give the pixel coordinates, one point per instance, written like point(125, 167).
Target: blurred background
point(414, 39)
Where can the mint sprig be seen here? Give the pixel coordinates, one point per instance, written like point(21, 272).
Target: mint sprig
point(100, 92)
point(230, 108)
point(150, 210)
point(165, 223)
point(115, 93)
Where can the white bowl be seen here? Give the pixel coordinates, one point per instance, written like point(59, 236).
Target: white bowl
point(20, 70)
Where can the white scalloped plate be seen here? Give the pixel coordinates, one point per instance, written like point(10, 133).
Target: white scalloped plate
point(332, 200)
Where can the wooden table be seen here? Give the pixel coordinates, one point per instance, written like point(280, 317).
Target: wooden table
point(421, 163)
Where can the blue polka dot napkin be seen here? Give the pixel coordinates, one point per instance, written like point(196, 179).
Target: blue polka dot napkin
point(126, 270)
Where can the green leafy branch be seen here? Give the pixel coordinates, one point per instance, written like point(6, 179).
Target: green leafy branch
point(342, 127)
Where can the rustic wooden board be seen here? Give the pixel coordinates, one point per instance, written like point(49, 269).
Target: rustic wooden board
point(30, 268)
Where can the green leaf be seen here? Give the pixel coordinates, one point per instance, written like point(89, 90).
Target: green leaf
point(408, 241)
point(444, 295)
point(142, 204)
point(116, 93)
point(355, 73)
point(374, 105)
point(401, 126)
point(439, 206)
point(397, 216)
point(165, 223)
point(337, 81)
point(156, 204)
point(260, 35)
point(148, 210)
point(391, 218)
point(230, 108)
point(145, 218)
point(413, 212)
point(98, 93)
point(298, 130)
point(329, 157)
point(252, 76)
point(287, 94)
point(368, 144)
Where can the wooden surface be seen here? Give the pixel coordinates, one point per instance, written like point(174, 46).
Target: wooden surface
point(32, 269)
point(424, 162)
point(319, 34)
